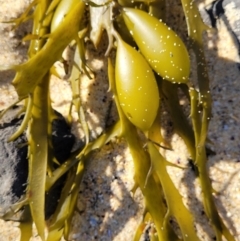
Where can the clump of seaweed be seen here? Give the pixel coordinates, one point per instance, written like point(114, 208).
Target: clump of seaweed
point(150, 60)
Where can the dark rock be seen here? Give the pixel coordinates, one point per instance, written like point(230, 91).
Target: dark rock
point(14, 162)
point(62, 138)
point(14, 165)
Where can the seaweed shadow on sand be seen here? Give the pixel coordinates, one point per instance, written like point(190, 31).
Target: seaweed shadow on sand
point(142, 156)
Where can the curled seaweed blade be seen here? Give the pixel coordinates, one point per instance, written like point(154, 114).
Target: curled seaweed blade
point(75, 80)
point(25, 121)
point(52, 6)
point(151, 189)
point(31, 72)
point(179, 211)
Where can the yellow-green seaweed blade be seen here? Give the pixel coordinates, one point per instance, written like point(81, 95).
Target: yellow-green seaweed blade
point(38, 155)
point(174, 201)
point(30, 73)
